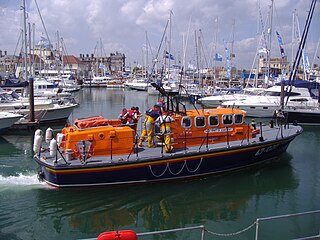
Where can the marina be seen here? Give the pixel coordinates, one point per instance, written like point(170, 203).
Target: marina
point(169, 134)
point(223, 204)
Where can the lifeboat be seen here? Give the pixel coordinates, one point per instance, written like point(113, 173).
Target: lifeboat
point(98, 151)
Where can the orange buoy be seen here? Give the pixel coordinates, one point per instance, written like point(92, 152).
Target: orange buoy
point(122, 234)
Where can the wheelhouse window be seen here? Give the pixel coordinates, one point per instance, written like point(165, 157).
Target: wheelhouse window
point(200, 121)
point(227, 119)
point(238, 118)
point(186, 122)
point(213, 121)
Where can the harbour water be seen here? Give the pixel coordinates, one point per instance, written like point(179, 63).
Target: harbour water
point(223, 204)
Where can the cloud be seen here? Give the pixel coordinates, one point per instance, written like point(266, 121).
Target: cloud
point(122, 24)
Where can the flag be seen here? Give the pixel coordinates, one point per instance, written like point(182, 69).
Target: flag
point(102, 66)
point(305, 60)
point(218, 57)
point(262, 50)
point(227, 59)
point(279, 38)
point(44, 43)
point(169, 55)
point(280, 42)
point(282, 52)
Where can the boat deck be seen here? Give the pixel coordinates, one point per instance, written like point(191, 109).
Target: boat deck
point(141, 154)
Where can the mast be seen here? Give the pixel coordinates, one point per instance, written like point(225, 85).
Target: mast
point(170, 32)
point(29, 45)
point(59, 54)
point(185, 44)
point(197, 56)
point(31, 100)
point(232, 45)
point(147, 53)
point(33, 46)
point(215, 50)
point(270, 43)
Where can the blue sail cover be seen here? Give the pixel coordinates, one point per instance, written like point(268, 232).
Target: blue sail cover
point(301, 84)
point(312, 86)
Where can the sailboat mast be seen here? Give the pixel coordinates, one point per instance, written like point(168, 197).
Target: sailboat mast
point(31, 100)
point(232, 45)
point(147, 53)
point(197, 56)
point(270, 43)
point(215, 50)
point(169, 45)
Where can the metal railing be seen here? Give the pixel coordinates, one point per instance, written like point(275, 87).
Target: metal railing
point(256, 223)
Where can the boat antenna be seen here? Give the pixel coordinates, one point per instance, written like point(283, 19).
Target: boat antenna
point(195, 107)
point(172, 106)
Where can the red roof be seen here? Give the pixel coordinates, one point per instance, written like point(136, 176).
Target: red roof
point(70, 59)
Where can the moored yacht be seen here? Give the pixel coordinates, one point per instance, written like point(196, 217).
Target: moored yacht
point(139, 84)
point(104, 81)
point(230, 94)
point(7, 119)
point(46, 110)
point(265, 105)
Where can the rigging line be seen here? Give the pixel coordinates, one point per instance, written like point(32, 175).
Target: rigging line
point(206, 53)
point(301, 47)
point(15, 50)
point(159, 48)
point(45, 29)
point(149, 45)
point(314, 58)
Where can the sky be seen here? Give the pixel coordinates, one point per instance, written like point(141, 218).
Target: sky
point(197, 30)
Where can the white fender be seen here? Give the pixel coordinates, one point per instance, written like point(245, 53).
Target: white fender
point(38, 132)
point(37, 144)
point(53, 147)
point(49, 134)
point(60, 137)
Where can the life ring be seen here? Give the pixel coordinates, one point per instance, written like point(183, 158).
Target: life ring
point(101, 136)
point(122, 234)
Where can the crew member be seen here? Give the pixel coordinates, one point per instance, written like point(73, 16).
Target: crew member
point(123, 116)
point(137, 114)
point(133, 117)
point(151, 115)
point(165, 125)
point(161, 104)
point(280, 118)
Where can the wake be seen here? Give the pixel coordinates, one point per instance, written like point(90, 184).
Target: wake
point(20, 180)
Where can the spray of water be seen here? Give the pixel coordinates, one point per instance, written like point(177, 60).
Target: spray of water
point(21, 179)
